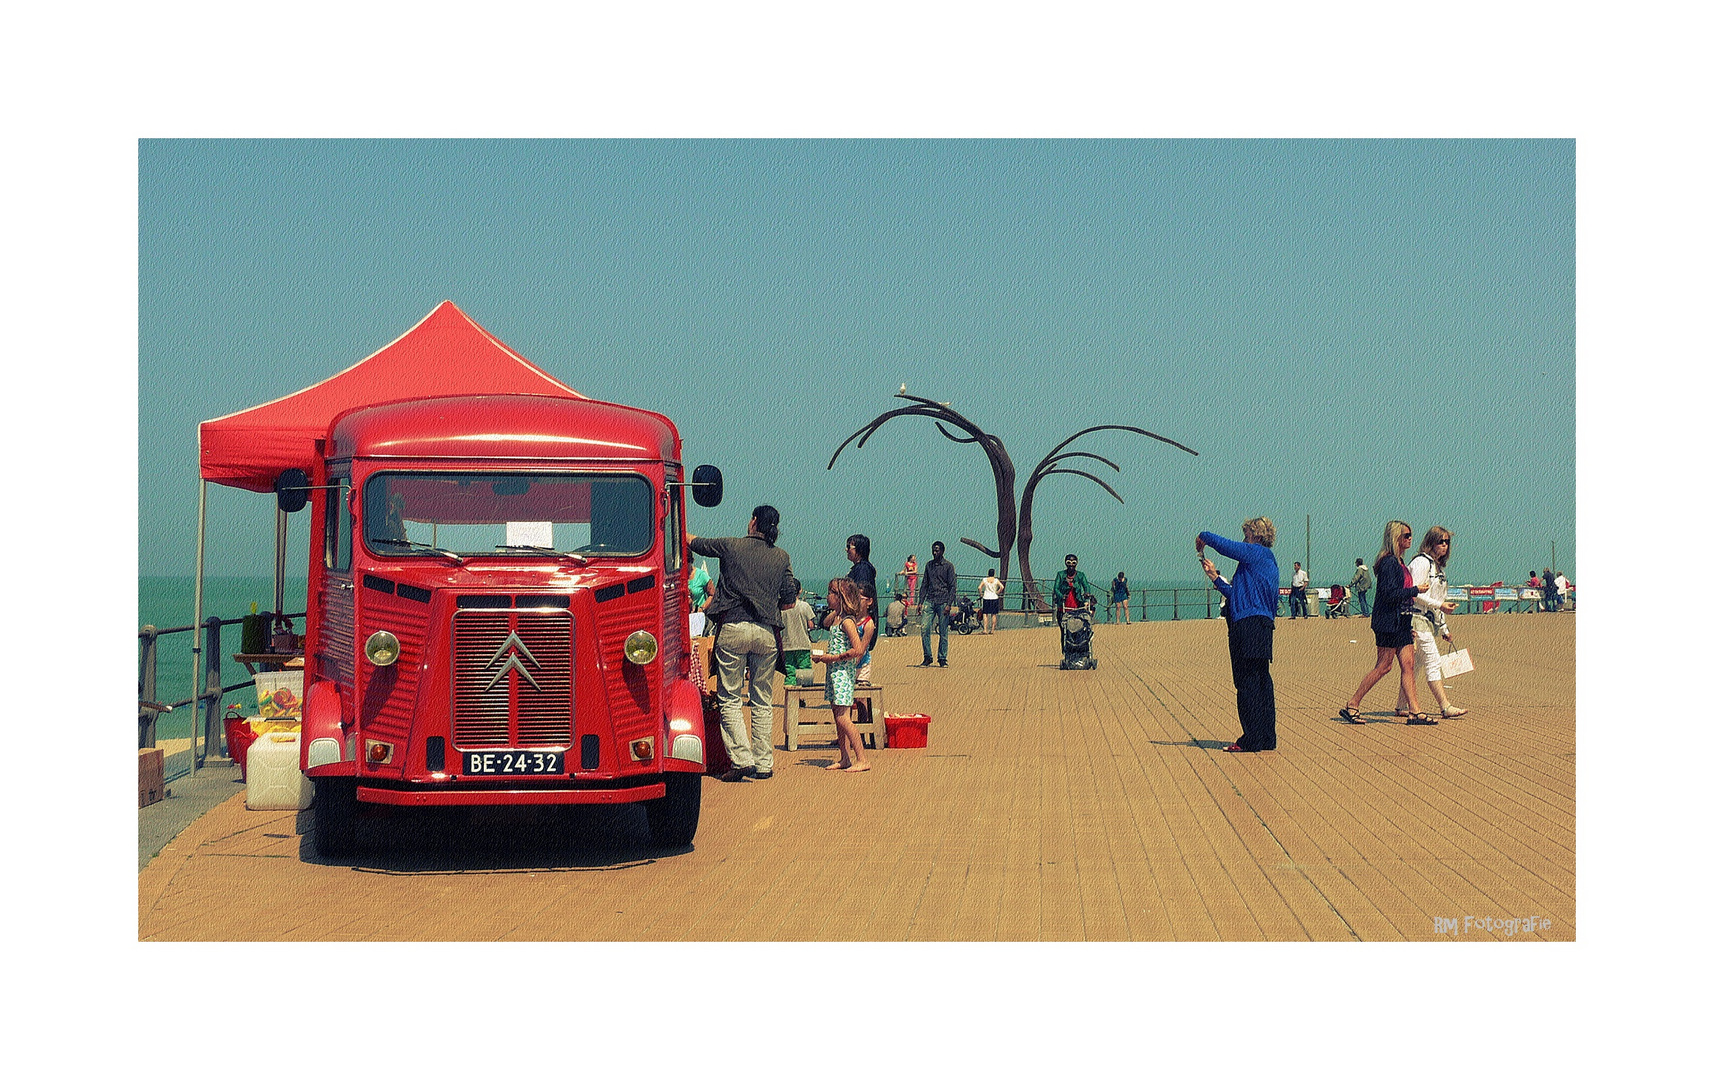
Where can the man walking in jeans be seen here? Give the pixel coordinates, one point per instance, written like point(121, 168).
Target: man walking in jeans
point(939, 590)
point(1361, 583)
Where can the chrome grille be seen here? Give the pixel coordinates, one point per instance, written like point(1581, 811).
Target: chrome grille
point(511, 681)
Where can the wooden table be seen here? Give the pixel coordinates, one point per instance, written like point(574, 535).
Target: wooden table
point(270, 661)
point(875, 728)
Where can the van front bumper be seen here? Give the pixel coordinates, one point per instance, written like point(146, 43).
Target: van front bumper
point(486, 793)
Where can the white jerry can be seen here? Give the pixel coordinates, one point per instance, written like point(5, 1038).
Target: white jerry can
point(275, 781)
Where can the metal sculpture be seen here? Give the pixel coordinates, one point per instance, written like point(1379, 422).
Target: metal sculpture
point(1006, 525)
point(1013, 523)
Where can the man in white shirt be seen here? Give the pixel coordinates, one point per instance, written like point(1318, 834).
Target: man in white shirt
point(1299, 591)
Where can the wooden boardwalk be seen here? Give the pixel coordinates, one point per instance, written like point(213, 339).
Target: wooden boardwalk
point(1049, 805)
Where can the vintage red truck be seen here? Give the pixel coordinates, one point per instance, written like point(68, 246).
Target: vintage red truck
point(498, 612)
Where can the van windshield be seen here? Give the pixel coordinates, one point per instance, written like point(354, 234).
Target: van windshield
point(489, 513)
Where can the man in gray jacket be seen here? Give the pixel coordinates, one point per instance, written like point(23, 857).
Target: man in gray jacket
point(939, 591)
point(755, 585)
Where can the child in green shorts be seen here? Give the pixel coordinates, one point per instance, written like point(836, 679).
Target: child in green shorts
point(794, 639)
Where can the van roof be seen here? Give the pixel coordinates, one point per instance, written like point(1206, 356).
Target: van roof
point(488, 426)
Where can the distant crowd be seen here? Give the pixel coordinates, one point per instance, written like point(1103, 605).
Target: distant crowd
point(763, 623)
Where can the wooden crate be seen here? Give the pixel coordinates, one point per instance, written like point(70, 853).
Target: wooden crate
point(151, 776)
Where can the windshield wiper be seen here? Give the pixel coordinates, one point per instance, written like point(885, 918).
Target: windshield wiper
point(540, 550)
point(417, 546)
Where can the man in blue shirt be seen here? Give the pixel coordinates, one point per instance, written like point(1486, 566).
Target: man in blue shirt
point(1251, 597)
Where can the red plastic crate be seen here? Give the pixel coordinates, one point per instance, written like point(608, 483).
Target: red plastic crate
point(908, 731)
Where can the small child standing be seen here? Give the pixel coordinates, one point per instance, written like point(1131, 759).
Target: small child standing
point(794, 638)
point(845, 648)
point(866, 631)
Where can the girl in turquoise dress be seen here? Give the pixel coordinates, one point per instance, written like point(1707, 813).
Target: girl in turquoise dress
point(844, 649)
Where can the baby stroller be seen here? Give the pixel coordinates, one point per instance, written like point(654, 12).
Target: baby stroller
point(1338, 604)
point(1076, 629)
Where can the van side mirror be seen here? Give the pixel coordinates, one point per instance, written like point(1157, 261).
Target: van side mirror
point(707, 485)
point(291, 489)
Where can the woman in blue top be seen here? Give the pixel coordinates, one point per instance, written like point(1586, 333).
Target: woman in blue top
point(1120, 598)
point(1250, 599)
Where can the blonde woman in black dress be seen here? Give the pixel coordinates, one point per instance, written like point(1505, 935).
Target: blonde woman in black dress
point(1395, 594)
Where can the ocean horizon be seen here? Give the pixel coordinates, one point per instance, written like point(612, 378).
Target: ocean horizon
point(167, 601)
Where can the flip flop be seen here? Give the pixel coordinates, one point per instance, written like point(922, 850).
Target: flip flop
point(1420, 718)
point(1447, 714)
point(1352, 716)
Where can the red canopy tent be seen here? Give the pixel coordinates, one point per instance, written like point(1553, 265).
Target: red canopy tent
point(446, 353)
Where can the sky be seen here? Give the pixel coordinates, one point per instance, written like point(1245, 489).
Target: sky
point(1346, 331)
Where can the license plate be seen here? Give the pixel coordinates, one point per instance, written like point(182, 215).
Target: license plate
point(514, 763)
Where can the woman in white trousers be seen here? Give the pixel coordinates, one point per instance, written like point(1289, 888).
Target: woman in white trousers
point(1429, 618)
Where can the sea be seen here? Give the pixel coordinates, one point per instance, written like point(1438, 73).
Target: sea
point(165, 602)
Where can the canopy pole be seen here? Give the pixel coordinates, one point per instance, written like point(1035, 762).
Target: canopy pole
point(196, 621)
point(279, 565)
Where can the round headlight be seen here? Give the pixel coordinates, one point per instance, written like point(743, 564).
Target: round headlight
point(382, 648)
point(640, 647)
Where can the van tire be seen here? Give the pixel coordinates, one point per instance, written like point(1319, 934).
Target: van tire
point(335, 816)
point(673, 818)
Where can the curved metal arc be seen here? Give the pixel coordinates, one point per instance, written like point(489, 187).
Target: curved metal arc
point(872, 426)
point(1056, 459)
point(1121, 427)
point(1087, 476)
point(1047, 467)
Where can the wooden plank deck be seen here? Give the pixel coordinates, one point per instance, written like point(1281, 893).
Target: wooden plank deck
point(1049, 805)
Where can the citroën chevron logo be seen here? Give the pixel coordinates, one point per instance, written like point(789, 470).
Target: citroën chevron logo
point(511, 649)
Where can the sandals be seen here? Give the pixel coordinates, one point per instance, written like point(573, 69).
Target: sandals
point(1421, 718)
point(1447, 714)
point(1351, 716)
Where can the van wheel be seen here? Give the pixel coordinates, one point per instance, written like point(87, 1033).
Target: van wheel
point(335, 816)
point(672, 819)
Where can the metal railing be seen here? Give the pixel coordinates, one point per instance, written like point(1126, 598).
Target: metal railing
point(1177, 604)
point(149, 706)
point(1145, 604)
